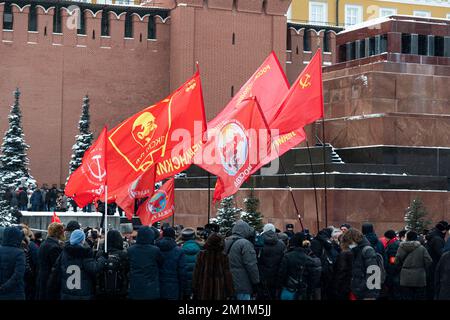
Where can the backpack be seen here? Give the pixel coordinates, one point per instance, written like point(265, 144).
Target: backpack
point(380, 263)
point(112, 280)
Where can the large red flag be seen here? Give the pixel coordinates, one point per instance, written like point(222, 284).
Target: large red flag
point(166, 135)
point(236, 146)
point(303, 103)
point(87, 183)
point(160, 206)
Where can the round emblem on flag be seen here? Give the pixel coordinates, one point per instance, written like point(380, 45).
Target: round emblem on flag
point(96, 171)
point(157, 202)
point(233, 147)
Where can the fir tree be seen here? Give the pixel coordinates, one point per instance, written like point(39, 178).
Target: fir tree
point(227, 215)
point(83, 139)
point(415, 216)
point(251, 215)
point(13, 160)
point(6, 218)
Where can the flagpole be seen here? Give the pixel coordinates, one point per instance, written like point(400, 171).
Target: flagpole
point(106, 218)
point(314, 185)
point(324, 148)
point(292, 194)
point(209, 197)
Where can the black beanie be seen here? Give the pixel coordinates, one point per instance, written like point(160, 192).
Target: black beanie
point(442, 226)
point(169, 232)
point(411, 236)
point(390, 234)
point(367, 228)
point(297, 239)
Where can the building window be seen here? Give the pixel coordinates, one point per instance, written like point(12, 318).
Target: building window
point(353, 14)
point(386, 12)
point(7, 17)
point(32, 18)
point(318, 12)
point(406, 43)
point(424, 14)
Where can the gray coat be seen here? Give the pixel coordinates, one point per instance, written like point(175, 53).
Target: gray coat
point(242, 258)
point(414, 260)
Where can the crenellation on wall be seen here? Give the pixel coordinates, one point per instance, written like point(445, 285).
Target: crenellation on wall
point(93, 28)
point(117, 29)
point(69, 27)
point(45, 24)
point(251, 6)
point(20, 27)
point(140, 30)
point(277, 7)
point(162, 28)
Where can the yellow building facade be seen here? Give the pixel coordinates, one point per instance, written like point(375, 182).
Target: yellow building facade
point(350, 12)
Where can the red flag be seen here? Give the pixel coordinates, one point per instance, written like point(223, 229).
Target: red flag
point(303, 103)
point(142, 187)
point(152, 137)
point(160, 206)
point(88, 182)
point(55, 218)
point(236, 146)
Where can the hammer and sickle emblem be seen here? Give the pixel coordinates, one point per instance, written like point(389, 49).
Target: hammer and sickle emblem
point(305, 81)
point(191, 86)
point(100, 174)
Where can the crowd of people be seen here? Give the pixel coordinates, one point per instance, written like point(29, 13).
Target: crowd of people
point(169, 263)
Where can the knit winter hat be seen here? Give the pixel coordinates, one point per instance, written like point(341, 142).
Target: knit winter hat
point(268, 227)
point(442, 226)
point(390, 234)
point(73, 225)
point(77, 237)
point(169, 232)
point(297, 239)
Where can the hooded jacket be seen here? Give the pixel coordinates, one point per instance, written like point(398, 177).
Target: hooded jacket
point(435, 244)
point(190, 248)
point(369, 233)
point(414, 261)
point(242, 258)
point(145, 263)
point(363, 257)
point(74, 273)
point(442, 277)
point(172, 276)
point(269, 258)
point(12, 265)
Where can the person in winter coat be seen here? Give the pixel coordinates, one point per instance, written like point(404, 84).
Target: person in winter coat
point(299, 274)
point(23, 199)
point(322, 246)
point(31, 256)
point(368, 231)
point(212, 279)
point(112, 283)
point(435, 246)
point(442, 277)
point(392, 282)
point(49, 252)
point(364, 256)
point(414, 261)
point(343, 272)
point(145, 263)
point(269, 260)
point(12, 265)
point(172, 275)
point(36, 200)
point(190, 248)
point(243, 261)
point(75, 270)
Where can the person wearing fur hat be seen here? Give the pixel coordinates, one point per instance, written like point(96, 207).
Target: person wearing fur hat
point(243, 262)
point(75, 270)
point(435, 245)
point(212, 279)
point(173, 277)
point(299, 273)
point(190, 247)
point(49, 252)
point(414, 261)
point(12, 265)
point(269, 260)
point(145, 263)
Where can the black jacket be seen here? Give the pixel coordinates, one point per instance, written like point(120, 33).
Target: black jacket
point(442, 278)
point(145, 263)
point(343, 275)
point(49, 252)
point(12, 265)
point(392, 269)
point(290, 266)
point(74, 273)
point(363, 258)
point(269, 258)
point(435, 245)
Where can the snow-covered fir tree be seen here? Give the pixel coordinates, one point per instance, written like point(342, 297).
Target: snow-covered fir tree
point(227, 215)
point(13, 159)
point(6, 218)
point(251, 215)
point(83, 139)
point(415, 216)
